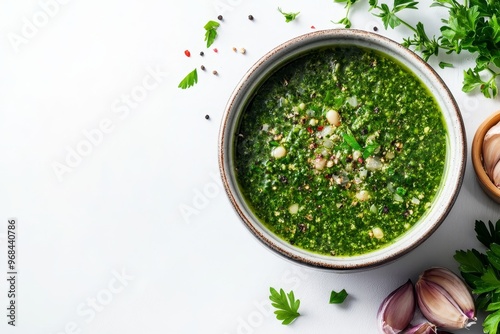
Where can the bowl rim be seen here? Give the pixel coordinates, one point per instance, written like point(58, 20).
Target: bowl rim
point(477, 156)
point(389, 47)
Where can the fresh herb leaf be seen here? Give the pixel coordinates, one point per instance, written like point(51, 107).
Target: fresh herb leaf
point(190, 80)
point(388, 15)
point(471, 80)
point(289, 16)
point(493, 255)
point(489, 282)
point(487, 235)
point(338, 297)
point(345, 22)
point(481, 272)
point(369, 149)
point(348, 4)
point(211, 32)
point(286, 305)
point(351, 141)
point(443, 64)
point(491, 322)
point(471, 261)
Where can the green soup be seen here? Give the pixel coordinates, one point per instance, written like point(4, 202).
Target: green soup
point(341, 151)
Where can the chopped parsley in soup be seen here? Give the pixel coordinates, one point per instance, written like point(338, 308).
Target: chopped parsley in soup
point(341, 151)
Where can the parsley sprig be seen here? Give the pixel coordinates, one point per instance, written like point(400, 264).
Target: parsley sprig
point(481, 271)
point(288, 16)
point(211, 32)
point(471, 25)
point(389, 16)
point(345, 20)
point(286, 305)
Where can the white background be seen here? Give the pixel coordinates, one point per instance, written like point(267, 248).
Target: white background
point(138, 236)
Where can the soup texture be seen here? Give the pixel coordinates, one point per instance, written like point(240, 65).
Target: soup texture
point(341, 151)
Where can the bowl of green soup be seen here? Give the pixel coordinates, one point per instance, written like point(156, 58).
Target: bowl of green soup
point(341, 149)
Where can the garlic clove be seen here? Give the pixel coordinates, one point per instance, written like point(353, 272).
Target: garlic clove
point(495, 176)
point(454, 286)
point(423, 328)
point(397, 309)
point(491, 149)
point(444, 299)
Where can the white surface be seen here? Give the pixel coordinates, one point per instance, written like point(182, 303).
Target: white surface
point(118, 212)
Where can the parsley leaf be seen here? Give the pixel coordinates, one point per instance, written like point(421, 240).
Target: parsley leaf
point(285, 304)
point(471, 80)
point(190, 80)
point(288, 16)
point(489, 282)
point(490, 324)
point(338, 297)
point(211, 32)
point(487, 235)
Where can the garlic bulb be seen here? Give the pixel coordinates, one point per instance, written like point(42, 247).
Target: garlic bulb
point(444, 299)
point(491, 153)
point(397, 309)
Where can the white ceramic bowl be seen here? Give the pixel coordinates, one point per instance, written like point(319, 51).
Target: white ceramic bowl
point(455, 158)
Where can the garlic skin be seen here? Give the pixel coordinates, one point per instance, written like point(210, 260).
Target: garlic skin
point(444, 300)
point(491, 153)
point(423, 328)
point(397, 309)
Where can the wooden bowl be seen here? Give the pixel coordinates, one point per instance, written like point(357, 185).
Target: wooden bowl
point(477, 157)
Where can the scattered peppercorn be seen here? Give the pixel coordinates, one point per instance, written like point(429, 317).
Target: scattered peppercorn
point(216, 50)
point(243, 50)
point(234, 49)
point(202, 53)
point(187, 53)
point(214, 72)
point(375, 29)
point(207, 116)
point(250, 17)
point(220, 17)
point(202, 67)
point(313, 27)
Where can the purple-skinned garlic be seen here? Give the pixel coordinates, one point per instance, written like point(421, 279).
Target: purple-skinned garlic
point(423, 328)
point(397, 309)
point(444, 300)
point(491, 154)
